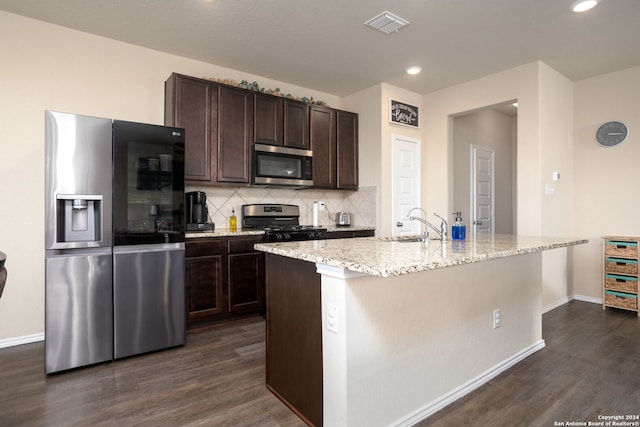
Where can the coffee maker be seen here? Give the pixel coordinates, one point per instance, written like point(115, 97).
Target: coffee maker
point(197, 212)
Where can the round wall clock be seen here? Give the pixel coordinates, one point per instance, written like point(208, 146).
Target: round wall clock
point(610, 134)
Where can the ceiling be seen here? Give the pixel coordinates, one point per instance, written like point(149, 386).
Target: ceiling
point(324, 44)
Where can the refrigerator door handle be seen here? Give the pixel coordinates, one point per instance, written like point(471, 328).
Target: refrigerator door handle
point(159, 247)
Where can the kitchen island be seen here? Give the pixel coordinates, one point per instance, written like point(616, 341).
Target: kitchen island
point(375, 331)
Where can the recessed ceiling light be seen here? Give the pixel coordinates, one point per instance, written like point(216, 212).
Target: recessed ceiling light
point(583, 5)
point(414, 70)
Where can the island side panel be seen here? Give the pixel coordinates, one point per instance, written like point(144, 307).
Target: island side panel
point(294, 335)
point(410, 344)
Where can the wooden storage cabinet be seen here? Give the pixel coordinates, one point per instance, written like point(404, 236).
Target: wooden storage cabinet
point(267, 119)
point(334, 141)
point(221, 122)
point(280, 121)
point(235, 122)
point(347, 150)
point(192, 104)
point(246, 275)
point(204, 279)
point(620, 267)
point(224, 279)
point(218, 123)
point(296, 124)
point(322, 138)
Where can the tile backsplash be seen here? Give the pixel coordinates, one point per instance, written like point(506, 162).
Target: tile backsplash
point(361, 204)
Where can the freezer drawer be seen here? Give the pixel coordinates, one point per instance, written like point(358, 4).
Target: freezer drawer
point(149, 298)
point(78, 310)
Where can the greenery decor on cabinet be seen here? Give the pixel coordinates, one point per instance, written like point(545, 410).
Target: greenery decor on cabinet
point(254, 86)
point(620, 278)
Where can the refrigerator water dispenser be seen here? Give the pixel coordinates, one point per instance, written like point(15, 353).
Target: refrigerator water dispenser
point(80, 218)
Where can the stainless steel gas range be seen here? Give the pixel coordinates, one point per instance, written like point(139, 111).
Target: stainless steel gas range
point(281, 223)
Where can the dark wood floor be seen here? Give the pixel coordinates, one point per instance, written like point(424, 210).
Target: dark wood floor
point(217, 379)
point(590, 366)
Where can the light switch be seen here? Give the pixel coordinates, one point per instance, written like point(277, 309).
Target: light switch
point(332, 318)
point(550, 190)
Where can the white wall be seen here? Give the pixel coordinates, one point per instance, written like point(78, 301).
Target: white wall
point(607, 195)
point(372, 105)
point(544, 135)
point(51, 67)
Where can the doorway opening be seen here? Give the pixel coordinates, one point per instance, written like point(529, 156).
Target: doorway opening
point(492, 128)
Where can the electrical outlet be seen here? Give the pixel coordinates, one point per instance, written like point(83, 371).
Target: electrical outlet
point(332, 318)
point(496, 318)
point(322, 206)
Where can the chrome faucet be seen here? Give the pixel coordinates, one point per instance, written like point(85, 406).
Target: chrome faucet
point(442, 232)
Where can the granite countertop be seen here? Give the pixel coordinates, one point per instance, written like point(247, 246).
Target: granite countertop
point(386, 257)
point(225, 232)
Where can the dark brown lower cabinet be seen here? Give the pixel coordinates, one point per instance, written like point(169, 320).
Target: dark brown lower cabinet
point(245, 292)
point(204, 286)
point(224, 279)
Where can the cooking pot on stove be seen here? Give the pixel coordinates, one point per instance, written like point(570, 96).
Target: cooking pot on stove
point(343, 219)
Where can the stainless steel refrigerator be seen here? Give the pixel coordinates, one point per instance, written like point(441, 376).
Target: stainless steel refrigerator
point(114, 239)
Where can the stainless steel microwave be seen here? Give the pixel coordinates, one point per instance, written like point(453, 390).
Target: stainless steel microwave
point(281, 166)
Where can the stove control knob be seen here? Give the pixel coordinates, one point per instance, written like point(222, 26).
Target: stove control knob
point(287, 236)
point(279, 236)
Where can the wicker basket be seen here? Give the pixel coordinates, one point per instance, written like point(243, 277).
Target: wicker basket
point(621, 249)
point(621, 266)
point(621, 300)
point(621, 283)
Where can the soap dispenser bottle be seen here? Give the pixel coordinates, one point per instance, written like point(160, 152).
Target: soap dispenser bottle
point(458, 229)
point(233, 221)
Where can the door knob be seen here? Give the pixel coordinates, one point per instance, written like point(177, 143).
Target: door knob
point(399, 224)
point(477, 222)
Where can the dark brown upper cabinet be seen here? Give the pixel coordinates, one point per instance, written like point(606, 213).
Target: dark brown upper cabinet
point(347, 150)
point(296, 124)
point(280, 121)
point(222, 122)
point(268, 119)
point(192, 104)
point(218, 123)
point(322, 138)
point(235, 126)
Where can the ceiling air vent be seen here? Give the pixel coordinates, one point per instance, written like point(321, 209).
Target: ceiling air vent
point(387, 22)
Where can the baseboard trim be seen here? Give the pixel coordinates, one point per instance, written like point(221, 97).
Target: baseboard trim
point(457, 393)
point(26, 339)
point(557, 304)
point(588, 299)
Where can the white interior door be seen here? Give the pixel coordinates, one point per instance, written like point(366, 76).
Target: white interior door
point(482, 189)
point(405, 183)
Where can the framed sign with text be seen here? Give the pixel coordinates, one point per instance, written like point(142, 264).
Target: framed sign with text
point(403, 114)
